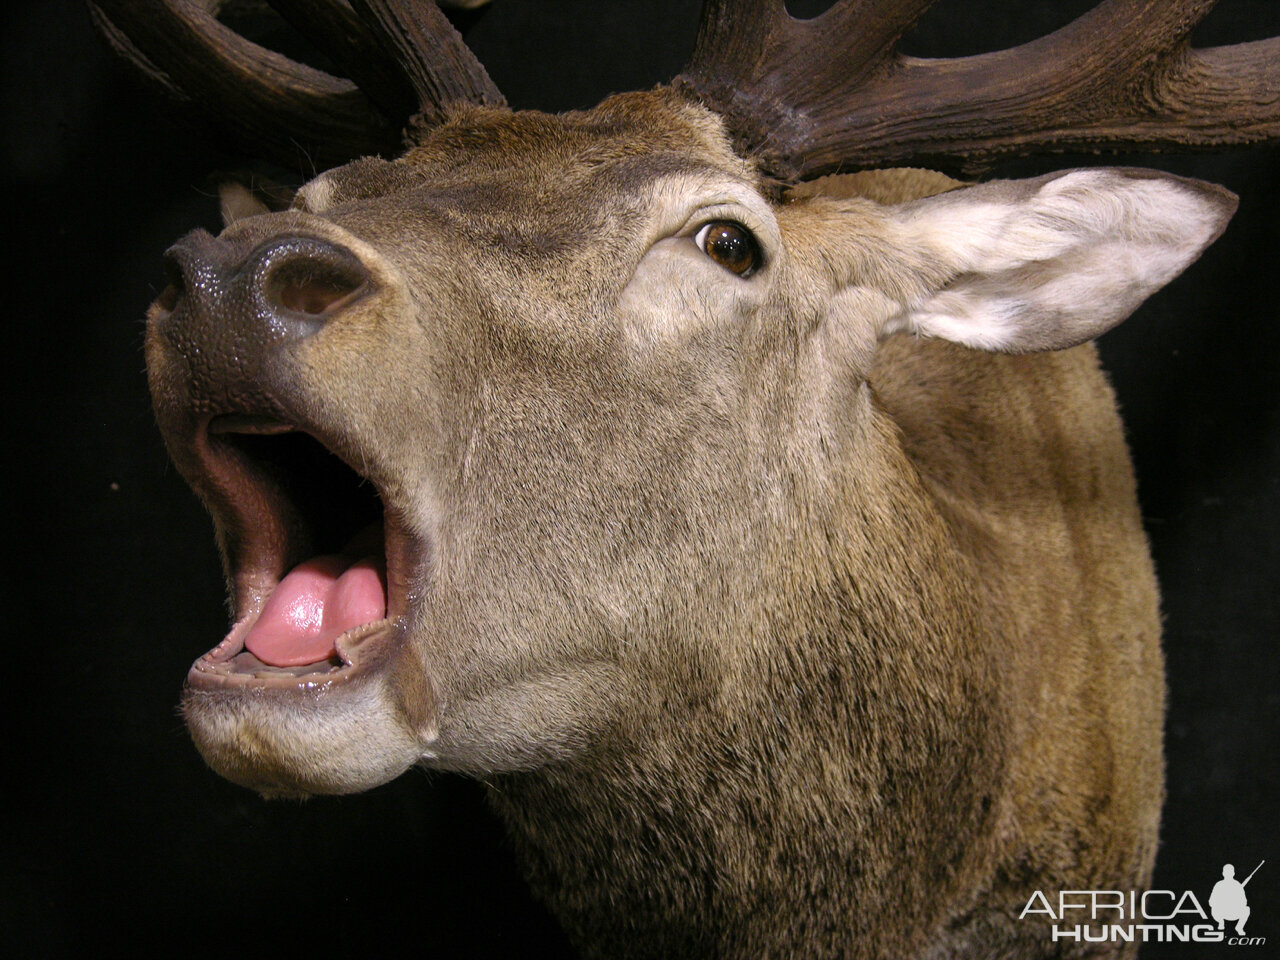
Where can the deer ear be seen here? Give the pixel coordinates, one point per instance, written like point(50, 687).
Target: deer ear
point(244, 194)
point(1051, 262)
point(236, 201)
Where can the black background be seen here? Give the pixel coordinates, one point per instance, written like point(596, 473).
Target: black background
point(118, 839)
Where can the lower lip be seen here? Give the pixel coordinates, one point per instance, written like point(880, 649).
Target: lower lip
point(227, 666)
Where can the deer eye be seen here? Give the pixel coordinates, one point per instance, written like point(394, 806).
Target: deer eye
point(731, 245)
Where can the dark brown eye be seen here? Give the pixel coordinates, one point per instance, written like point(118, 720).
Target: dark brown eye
point(731, 245)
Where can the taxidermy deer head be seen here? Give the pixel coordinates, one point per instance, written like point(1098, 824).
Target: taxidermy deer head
point(768, 543)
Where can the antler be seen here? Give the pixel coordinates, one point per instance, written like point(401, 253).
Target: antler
point(431, 54)
point(402, 57)
point(338, 31)
point(810, 97)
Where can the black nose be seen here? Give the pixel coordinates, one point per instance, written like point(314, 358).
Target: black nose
point(234, 308)
point(291, 285)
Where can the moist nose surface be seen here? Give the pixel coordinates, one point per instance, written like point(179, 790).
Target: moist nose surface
point(228, 313)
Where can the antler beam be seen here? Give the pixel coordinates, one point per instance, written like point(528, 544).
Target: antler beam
point(286, 109)
point(832, 93)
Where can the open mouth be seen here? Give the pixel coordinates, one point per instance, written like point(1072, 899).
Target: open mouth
point(321, 570)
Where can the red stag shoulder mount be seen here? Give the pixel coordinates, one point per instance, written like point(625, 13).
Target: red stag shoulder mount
point(768, 543)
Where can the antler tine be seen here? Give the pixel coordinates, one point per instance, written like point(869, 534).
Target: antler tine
point(732, 35)
point(284, 108)
point(752, 58)
point(431, 54)
point(735, 37)
point(1121, 77)
point(336, 29)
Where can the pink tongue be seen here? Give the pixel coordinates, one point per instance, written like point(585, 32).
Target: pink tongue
point(313, 605)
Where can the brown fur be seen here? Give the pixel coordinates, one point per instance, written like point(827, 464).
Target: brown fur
point(770, 640)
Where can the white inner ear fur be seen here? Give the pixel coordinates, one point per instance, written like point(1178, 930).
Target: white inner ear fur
point(1051, 262)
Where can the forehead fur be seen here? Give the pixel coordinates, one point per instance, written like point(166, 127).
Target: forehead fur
point(656, 124)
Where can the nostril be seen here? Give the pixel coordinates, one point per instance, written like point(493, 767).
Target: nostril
point(176, 286)
point(313, 278)
point(314, 294)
